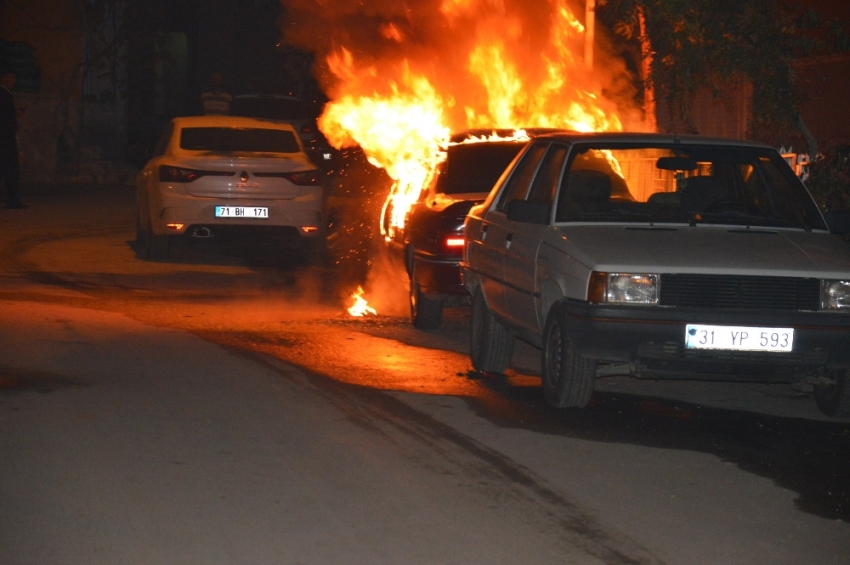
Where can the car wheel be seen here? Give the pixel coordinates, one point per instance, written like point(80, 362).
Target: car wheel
point(159, 246)
point(427, 313)
point(834, 399)
point(491, 345)
point(142, 238)
point(568, 377)
point(315, 251)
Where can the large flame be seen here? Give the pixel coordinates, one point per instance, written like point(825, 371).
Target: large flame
point(497, 74)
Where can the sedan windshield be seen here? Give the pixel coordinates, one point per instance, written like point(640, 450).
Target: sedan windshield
point(227, 140)
point(732, 185)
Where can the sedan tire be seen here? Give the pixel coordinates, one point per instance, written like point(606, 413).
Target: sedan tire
point(426, 313)
point(491, 345)
point(568, 377)
point(834, 399)
point(160, 246)
point(143, 247)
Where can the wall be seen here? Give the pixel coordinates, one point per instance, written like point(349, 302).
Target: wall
point(51, 27)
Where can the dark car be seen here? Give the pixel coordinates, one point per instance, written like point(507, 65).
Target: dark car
point(431, 242)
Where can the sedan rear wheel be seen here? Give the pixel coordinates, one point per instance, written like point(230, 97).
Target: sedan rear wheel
point(143, 240)
point(159, 246)
point(491, 345)
point(427, 313)
point(568, 377)
point(834, 399)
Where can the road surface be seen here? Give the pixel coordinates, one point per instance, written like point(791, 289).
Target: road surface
point(222, 407)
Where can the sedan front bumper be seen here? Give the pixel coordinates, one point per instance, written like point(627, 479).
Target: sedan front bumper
point(653, 339)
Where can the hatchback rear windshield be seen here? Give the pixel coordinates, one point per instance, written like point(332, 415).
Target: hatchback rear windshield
point(257, 140)
point(475, 167)
point(268, 108)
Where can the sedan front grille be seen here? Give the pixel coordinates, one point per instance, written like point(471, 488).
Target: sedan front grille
point(732, 291)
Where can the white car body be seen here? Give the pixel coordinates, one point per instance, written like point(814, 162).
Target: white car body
point(602, 271)
point(181, 188)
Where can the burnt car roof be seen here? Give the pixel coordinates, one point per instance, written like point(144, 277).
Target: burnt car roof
point(463, 135)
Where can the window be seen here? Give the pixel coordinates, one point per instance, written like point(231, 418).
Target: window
point(678, 183)
point(257, 140)
point(549, 175)
point(520, 181)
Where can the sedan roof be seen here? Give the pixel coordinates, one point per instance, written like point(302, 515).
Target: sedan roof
point(652, 138)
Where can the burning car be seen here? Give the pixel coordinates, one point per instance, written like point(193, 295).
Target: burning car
point(669, 257)
point(216, 175)
point(431, 239)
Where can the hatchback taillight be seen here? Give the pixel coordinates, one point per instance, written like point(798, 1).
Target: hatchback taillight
point(179, 174)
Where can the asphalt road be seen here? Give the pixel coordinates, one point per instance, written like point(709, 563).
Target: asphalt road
point(222, 407)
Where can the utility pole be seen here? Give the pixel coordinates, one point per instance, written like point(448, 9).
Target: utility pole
point(589, 24)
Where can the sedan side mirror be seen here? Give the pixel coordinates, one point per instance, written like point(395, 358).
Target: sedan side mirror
point(838, 221)
point(529, 212)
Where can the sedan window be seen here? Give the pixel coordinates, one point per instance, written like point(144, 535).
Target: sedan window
point(520, 181)
point(546, 182)
point(227, 140)
point(733, 185)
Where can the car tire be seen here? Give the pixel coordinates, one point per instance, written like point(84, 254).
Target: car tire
point(315, 251)
point(491, 345)
point(834, 399)
point(160, 246)
point(143, 248)
point(426, 313)
point(568, 377)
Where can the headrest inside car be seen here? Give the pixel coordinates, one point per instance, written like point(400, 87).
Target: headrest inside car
point(701, 192)
point(589, 186)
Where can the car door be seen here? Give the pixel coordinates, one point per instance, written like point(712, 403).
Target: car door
point(495, 228)
point(523, 243)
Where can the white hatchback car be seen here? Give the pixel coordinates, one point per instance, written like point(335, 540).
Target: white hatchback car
point(219, 175)
point(669, 257)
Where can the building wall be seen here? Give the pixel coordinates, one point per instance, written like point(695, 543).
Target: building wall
point(52, 28)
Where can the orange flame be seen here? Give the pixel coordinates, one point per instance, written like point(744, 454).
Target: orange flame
point(360, 307)
point(401, 114)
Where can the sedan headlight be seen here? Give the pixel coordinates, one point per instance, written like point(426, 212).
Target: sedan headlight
point(834, 295)
point(623, 288)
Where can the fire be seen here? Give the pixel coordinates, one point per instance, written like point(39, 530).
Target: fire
point(360, 307)
point(401, 109)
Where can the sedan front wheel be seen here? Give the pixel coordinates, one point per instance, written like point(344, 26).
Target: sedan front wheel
point(568, 377)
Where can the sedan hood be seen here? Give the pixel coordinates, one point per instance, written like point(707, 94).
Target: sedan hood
point(707, 249)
